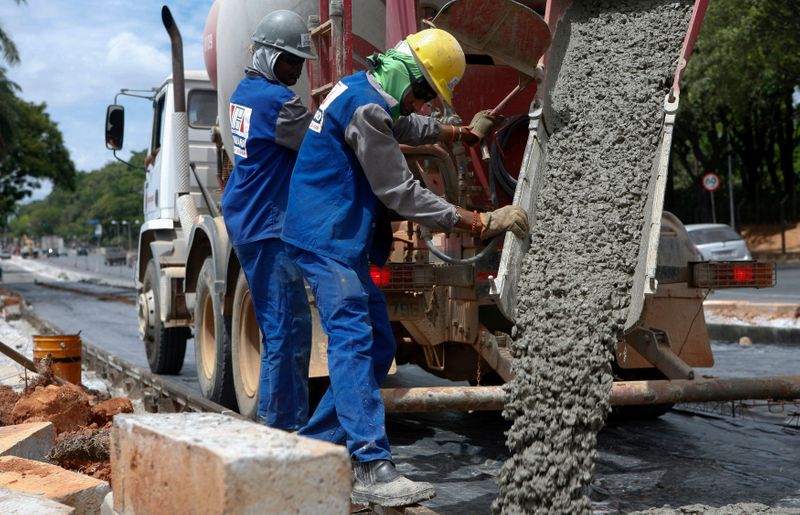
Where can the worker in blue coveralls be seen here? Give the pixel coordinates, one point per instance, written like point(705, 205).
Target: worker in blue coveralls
point(349, 170)
point(268, 122)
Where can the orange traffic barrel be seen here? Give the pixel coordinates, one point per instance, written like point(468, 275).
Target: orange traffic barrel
point(65, 350)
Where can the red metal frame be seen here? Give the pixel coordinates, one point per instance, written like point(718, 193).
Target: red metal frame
point(696, 21)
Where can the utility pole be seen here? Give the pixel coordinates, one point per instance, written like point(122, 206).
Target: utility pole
point(116, 230)
point(730, 183)
point(128, 225)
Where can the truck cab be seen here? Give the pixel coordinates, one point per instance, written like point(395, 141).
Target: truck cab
point(159, 188)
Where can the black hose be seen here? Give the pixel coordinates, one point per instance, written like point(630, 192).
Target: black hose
point(496, 167)
point(427, 238)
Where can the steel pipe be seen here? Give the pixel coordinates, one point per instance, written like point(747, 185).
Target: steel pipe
point(623, 393)
point(629, 393)
point(443, 398)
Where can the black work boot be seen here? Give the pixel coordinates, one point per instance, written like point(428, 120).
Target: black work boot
point(378, 482)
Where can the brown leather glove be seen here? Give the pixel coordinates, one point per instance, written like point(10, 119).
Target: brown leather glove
point(507, 218)
point(484, 122)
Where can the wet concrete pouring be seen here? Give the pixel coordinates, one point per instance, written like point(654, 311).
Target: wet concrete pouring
point(606, 97)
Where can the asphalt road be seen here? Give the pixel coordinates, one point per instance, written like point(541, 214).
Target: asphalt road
point(685, 457)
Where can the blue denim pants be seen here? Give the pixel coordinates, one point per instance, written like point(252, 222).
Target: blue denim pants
point(281, 306)
point(361, 347)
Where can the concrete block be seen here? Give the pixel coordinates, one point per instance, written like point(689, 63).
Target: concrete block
point(83, 493)
point(17, 503)
point(31, 441)
point(197, 463)
point(107, 508)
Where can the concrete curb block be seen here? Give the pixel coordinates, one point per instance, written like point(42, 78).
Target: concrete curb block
point(244, 467)
point(18, 503)
point(32, 440)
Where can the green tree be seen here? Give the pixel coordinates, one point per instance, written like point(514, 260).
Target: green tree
point(8, 90)
point(113, 192)
point(36, 154)
point(740, 87)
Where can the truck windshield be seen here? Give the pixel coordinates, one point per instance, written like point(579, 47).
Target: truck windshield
point(202, 109)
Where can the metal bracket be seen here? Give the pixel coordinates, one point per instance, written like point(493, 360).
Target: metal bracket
point(494, 350)
point(655, 346)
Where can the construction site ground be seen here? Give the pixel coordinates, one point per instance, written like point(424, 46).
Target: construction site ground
point(711, 454)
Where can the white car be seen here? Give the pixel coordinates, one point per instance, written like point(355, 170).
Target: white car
point(718, 242)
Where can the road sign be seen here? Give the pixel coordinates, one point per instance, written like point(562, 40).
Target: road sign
point(711, 182)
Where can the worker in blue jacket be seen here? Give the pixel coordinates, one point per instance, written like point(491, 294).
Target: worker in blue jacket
point(349, 170)
point(268, 122)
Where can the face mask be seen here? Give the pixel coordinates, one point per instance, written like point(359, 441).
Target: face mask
point(396, 71)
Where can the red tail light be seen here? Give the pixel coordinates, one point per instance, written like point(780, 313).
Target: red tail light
point(381, 275)
point(733, 274)
point(743, 274)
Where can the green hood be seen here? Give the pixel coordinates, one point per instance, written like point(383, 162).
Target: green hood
point(391, 72)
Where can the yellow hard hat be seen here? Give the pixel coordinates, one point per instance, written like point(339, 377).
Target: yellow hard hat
point(441, 59)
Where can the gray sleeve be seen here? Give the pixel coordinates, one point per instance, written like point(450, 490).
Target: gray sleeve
point(416, 130)
point(292, 124)
point(370, 136)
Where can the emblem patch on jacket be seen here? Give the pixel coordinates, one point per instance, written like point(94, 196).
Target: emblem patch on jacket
point(319, 116)
point(240, 128)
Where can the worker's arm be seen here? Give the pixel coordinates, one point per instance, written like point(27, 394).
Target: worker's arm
point(370, 134)
point(415, 129)
point(292, 123)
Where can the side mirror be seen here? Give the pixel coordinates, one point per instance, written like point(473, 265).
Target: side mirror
point(115, 126)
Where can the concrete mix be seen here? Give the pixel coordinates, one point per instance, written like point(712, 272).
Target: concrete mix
point(607, 103)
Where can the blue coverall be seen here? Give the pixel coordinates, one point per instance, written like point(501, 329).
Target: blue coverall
point(268, 122)
point(333, 228)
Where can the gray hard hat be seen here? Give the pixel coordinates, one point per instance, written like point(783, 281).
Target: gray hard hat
point(284, 30)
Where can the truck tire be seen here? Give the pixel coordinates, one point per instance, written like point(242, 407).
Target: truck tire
point(212, 343)
point(165, 347)
point(245, 349)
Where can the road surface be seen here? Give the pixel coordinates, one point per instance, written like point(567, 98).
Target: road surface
point(685, 457)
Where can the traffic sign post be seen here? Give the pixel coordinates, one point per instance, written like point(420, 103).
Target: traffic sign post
point(711, 183)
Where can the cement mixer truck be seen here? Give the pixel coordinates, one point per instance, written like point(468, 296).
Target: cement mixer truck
point(451, 297)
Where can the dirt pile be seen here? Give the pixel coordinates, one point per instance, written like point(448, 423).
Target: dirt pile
point(104, 411)
point(67, 407)
point(86, 451)
point(607, 107)
point(82, 420)
point(8, 399)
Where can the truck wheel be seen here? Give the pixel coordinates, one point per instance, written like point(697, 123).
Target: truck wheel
point(212, 344)
point(165, 347)
point(246, 349)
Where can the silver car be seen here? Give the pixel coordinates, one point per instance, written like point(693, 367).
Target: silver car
point(718, 242)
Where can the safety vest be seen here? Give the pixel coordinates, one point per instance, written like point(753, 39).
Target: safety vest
point(332, 210)
point(254, 201)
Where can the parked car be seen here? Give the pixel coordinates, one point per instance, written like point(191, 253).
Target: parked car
point(5, 254)
point(82, 251)
point(718, 242)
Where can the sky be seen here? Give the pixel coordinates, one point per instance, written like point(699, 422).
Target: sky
point(75, 55)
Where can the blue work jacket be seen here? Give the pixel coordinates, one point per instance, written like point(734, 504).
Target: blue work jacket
point(254, 201)
point(332, 209)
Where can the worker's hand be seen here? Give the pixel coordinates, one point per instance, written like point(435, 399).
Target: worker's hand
point(483, 123)
point(507, 218)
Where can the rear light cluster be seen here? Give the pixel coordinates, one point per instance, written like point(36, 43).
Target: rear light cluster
point(402, 277)
point(733, 274)
point(413, 277)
